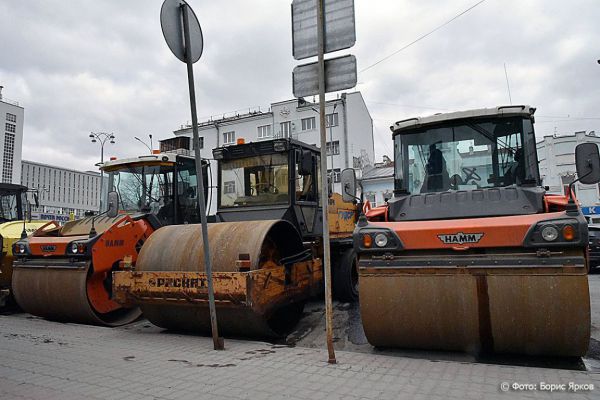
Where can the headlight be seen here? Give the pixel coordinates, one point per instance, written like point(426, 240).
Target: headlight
point(549, 233)
point(76, 248)
point(558, 232)
point(381, 240)
point(21, 248)
point(376, 239)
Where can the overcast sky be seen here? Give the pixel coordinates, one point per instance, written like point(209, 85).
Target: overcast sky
point(92, 65)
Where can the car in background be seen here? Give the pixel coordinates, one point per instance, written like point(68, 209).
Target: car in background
point(594, 246)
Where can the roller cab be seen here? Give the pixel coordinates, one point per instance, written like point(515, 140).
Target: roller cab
point(471, 254)
point(65, 272)
point(14, 223)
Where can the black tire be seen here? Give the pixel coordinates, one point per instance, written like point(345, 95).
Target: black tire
point(345, 277)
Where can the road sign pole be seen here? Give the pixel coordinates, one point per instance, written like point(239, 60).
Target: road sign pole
point(217, 341)
point(324, 194)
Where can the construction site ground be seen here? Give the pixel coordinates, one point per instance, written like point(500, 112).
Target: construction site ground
point(48, 360)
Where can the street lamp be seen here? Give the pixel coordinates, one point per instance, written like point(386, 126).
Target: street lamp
point(144, 143)
point(102, 138)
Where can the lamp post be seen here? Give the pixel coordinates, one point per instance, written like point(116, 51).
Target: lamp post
point(144, 143)
point(102, 138)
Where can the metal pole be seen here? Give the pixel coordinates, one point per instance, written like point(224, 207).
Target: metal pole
point(324, 194)
point(101, 174)
point(331, 145)
point(217, 341)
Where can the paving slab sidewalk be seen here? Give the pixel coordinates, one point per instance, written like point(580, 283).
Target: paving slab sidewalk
point(46, 360)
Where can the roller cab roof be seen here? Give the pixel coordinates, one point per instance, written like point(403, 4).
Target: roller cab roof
point(411, 124)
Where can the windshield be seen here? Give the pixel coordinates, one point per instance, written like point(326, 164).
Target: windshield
point(254, 181)
point(146, 188)
point(10, 206)
point(468, 155)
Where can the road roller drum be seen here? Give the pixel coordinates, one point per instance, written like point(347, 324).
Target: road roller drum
point(258, 293)
point(499, 308)
point(63, 274)
point(61, 293)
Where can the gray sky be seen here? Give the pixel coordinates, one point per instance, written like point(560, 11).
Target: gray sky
point(91, 65)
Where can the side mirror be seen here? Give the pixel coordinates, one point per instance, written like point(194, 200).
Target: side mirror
point(32, 197)
point(305, 166)
point(348, 180)
point(587, 162)
point(113, 204)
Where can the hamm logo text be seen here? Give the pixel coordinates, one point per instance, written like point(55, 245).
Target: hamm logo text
point(460, 238)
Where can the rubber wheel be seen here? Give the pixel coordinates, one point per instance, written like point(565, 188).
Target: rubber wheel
point(345, 277)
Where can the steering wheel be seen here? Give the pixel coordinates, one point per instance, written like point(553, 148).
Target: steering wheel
point(470, 174)
point(269, 188)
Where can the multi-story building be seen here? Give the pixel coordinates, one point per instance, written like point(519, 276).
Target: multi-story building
point(11, 139)
point(62, 191)
point(349, 131)
point(556, 155)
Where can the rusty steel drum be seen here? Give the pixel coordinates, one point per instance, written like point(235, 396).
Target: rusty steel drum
point(510, 309)
point(59, 291)
point(262, 243)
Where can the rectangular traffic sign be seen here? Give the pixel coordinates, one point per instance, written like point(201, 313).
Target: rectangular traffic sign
point(340, 74)
point(340, 31)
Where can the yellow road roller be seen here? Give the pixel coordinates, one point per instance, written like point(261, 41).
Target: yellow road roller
point(265, 247)
point(14, 225)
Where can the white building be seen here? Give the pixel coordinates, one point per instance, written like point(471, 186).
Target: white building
point(11, 140)
point(62, 191)
point(556, 155)
point(349, 132)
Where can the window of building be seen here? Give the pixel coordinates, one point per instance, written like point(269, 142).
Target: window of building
point(331, 120)
point(286, 129)
point(10, 127)
point(11, 117)
point(308, 124)
point(229, 137)
point(371, 198)
point(264, 131)
point(336, 174)
point(228, 187)
point(333, 147)
point(7, 164)
point(200, 140)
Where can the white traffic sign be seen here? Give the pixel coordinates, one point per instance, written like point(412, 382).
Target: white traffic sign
point(340, 32)
point(340, 74)
point(171, 23)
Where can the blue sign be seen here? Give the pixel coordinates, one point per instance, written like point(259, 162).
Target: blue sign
point(590, 210)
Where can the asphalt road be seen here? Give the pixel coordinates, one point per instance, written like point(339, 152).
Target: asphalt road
point(349, 336)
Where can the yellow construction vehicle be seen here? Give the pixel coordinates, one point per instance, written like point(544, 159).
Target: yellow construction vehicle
point(471, 253)
point(64, 272)
point(265, 247)
point(13, 226)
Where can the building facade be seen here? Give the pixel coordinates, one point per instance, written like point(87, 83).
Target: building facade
point(11, 139)
point(556, 156)
point(62, 191)
point(349, 132)
point(378, 184)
